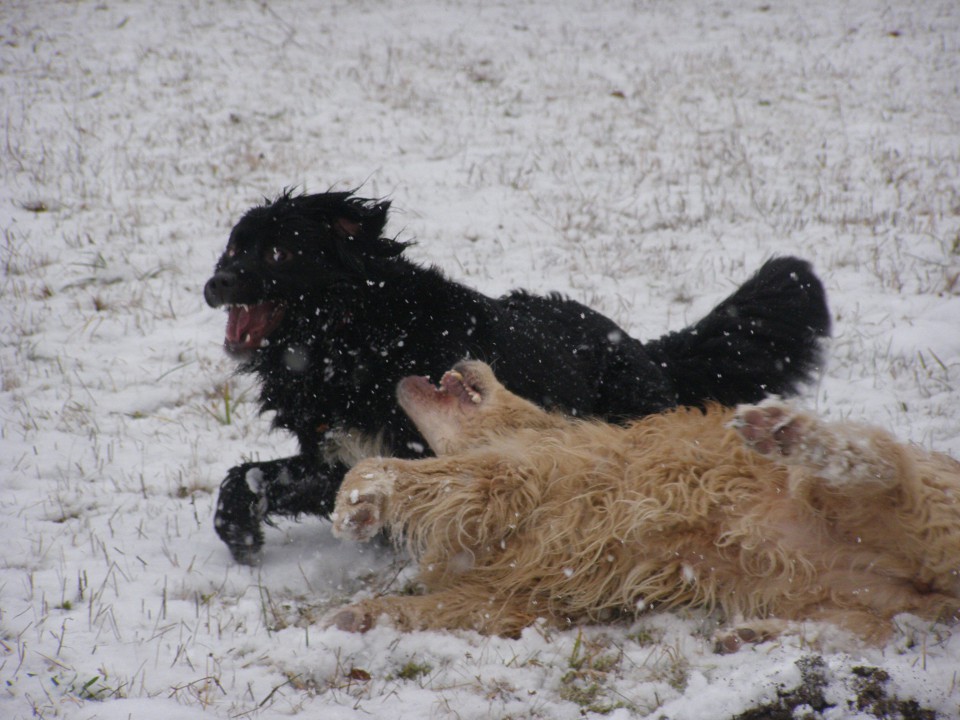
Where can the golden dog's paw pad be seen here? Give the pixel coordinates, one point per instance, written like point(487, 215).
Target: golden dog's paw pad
point(771, 428)
point(359, 518)
point(730, 641)
point(352, 618)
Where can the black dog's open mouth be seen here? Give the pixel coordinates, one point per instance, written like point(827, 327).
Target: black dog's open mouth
point(249, 326)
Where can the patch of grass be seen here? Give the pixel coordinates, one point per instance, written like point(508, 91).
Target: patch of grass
point(93, 688)
point(645, 637)
point(223, 404)
point(411, 670)
point(590, 665)
point(583, 694)
point(676, 670)
point(292, 611)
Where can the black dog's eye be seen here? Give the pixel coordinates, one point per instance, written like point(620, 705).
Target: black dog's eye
point(278, 255)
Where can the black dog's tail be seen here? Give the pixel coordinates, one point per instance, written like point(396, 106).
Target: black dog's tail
point(765, 339)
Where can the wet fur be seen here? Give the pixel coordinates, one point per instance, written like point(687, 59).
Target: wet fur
point(767, 514)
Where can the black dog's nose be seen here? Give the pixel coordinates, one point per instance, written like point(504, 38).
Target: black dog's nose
point(219, 289)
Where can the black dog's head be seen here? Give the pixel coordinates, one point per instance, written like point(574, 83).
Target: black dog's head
point(295, 251)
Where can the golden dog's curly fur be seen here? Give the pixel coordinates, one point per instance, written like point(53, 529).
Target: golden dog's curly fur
point(764, 513)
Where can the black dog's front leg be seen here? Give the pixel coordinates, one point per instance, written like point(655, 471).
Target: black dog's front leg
point(253, 492)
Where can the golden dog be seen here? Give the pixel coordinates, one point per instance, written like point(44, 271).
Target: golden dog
point(766, 513)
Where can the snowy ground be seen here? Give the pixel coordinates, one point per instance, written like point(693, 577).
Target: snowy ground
point(643, 157)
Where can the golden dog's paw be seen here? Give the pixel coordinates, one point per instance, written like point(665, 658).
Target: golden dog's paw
point(362, 501)
point(359, 522)
point(351, 618)
point(732, 639)
point(773, 427)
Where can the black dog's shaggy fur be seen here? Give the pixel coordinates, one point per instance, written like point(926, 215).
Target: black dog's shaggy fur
point(330, 315)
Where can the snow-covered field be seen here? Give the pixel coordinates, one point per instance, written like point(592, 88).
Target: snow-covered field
point(642, 157)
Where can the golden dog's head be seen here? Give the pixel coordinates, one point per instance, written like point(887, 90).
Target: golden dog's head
point(469, 407)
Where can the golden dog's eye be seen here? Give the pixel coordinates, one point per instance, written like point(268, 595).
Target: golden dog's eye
point(277, 255)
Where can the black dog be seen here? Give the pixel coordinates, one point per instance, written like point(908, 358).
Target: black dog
point(330, 315)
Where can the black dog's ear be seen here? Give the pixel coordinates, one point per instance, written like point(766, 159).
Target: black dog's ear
point(361, 218)
point(347, 214)
point(356, 225)
point(361, 225)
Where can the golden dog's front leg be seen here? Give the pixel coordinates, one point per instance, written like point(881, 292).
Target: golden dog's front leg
point(378, 492)
point(363, 502)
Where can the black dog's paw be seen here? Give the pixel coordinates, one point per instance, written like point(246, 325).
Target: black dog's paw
point(246, 554)
point(240, 511)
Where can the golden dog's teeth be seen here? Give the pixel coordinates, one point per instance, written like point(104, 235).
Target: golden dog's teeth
point(457, 377)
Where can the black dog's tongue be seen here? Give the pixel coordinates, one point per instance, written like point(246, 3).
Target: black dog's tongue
point(249, 325)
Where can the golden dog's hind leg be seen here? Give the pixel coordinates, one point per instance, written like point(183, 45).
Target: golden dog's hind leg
point(900, 502)
point(845, 457)
point(868, 626)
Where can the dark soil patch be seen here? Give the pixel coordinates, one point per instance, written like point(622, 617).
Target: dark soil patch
point(808, 701)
